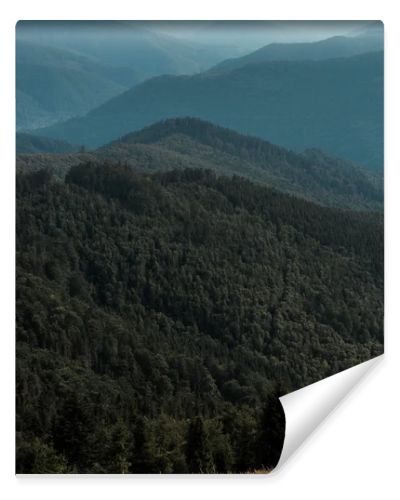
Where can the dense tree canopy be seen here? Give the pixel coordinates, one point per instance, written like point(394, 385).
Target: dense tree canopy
point(160, 316)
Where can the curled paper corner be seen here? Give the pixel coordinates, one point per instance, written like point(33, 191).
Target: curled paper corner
point(306, 408)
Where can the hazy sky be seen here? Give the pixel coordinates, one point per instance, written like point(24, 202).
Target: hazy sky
point(242, 34)
point(269, 31)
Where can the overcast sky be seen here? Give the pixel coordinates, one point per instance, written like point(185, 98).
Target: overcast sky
point(241, 36)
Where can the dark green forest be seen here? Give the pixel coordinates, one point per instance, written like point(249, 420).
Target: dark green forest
point(161, 314)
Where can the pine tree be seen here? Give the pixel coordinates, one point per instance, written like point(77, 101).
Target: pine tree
point(144, 456)
point(198, 452)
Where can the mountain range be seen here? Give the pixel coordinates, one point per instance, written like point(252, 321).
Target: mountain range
point(335, 105)
point(193, 143)
point(330, 48)
point(190, 246)
point(55, 84)
point(65, 69)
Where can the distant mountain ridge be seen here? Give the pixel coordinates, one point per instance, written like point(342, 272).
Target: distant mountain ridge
point(133, 46)
point(193, 143)
point(334, 105)
point(54, 84)
point(65, 69)
point(330, 48)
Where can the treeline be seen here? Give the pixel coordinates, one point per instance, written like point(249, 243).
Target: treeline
point(159, 317)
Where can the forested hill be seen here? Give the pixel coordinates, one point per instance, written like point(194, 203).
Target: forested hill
point(335, 105)
point(160, 315)
point(311, 174)
point(189, 142)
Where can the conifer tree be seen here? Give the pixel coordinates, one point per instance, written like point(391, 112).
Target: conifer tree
point(198, 453)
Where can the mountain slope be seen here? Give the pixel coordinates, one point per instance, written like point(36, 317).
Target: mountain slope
point(189, 142)
point(53, 85)
point(126, 44)
point(335, 105)
point(28, 143)
point(196, 143)
point(149, 306)
point(38, 50)
point(334, 47)
point(65, 69)
point(30, 114)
